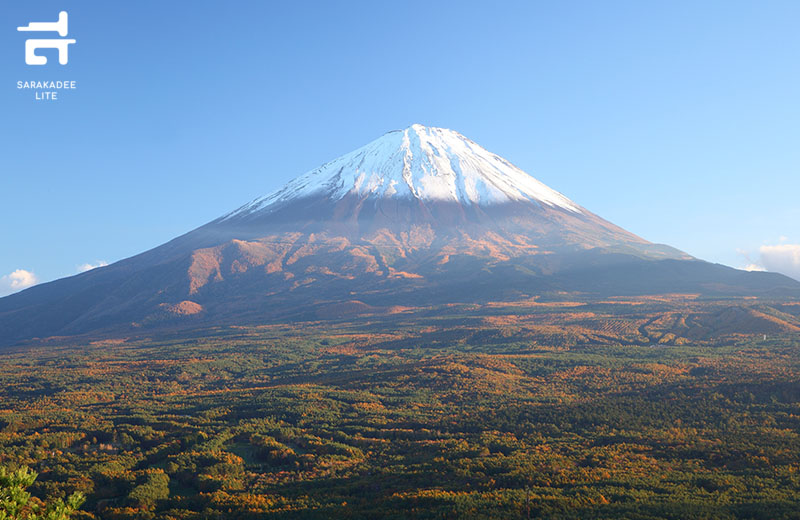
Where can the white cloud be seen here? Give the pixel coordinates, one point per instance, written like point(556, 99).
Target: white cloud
point(783, 258)
point(16, 281)
point(88, 267)
point(751, 264)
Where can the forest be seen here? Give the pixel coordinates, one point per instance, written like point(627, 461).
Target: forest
point(640, 408)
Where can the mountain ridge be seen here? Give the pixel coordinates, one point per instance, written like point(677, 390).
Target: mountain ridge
point(426, 163)
point(392, 223)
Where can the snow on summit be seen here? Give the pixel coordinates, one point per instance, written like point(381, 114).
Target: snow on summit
point(427, 163)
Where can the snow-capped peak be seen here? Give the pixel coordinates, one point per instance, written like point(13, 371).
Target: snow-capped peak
point(430, 164)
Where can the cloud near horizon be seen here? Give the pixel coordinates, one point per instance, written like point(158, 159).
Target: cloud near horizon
point(88, 267)
point(783, 258)
point(17, 281)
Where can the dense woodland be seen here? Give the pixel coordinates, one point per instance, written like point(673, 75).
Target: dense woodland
point(622, 409)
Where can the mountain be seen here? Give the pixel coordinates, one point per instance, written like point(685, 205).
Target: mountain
point(419, 216)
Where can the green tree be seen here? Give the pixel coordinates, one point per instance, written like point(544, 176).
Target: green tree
point(155, 488)
point(17, 504)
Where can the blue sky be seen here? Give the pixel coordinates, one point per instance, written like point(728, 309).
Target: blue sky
point(679, 121)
